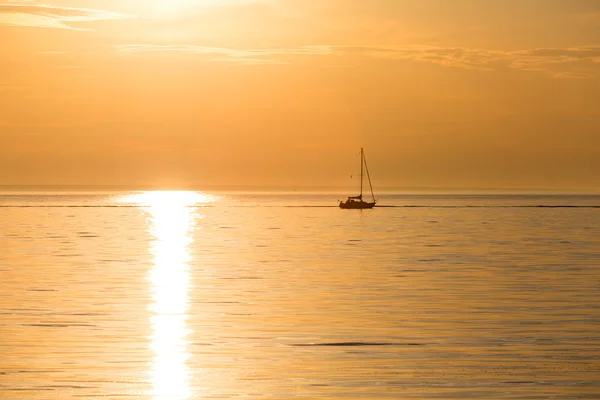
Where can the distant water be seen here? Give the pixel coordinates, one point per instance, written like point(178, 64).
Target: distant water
point(191, 296)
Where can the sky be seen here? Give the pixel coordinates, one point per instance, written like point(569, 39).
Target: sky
point(181, 93)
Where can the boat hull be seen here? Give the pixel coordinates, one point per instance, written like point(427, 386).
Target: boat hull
point(356, 205)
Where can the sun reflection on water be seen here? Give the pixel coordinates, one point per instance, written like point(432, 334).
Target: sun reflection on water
point(172, 219)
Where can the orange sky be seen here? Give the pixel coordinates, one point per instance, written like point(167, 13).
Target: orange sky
point(463, 93)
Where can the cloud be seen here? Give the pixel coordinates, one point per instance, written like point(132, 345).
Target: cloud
point(558, 62)
point(249, 61)
point(574, 62)
point(473, 59)
point(571, 75)
point(238, 56)
point(48, 16)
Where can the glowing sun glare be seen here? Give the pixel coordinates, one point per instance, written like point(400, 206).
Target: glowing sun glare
point(171, 222)
point(166, 7)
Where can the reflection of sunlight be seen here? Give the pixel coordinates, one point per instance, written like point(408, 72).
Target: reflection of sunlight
point(172, 222)
point(167, 199)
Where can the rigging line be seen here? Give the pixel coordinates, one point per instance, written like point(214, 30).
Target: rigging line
point(368, 176)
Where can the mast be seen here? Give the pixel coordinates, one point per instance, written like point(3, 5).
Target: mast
point(361, 171)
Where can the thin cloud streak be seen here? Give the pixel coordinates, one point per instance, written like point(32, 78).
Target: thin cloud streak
point(238, 56)
point(48, 16)
point(574, 62)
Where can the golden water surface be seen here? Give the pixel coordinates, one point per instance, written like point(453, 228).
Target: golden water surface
point(185, 295)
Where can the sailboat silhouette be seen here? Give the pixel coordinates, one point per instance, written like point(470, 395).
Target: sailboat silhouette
point(357, 202)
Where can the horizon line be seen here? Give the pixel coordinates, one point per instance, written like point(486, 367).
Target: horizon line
point(298, 188)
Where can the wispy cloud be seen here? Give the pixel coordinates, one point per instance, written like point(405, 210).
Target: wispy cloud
point(48, 16)
point(574, 62)
point(571, 75)
point(238, 56)
point(459, 57)
point(557, 62)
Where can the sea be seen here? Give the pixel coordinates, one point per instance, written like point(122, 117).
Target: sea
point(174, 295)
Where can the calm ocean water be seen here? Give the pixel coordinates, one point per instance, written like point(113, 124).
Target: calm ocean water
point(192, 296)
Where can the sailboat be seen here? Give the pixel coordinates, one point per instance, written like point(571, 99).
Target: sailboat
point(357, 202)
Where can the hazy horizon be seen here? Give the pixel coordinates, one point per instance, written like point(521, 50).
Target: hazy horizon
point(348, 189)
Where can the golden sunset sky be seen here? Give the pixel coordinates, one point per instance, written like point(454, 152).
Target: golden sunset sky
point(441, 93)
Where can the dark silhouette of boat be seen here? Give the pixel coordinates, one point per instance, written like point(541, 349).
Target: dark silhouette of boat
point(357, 202)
